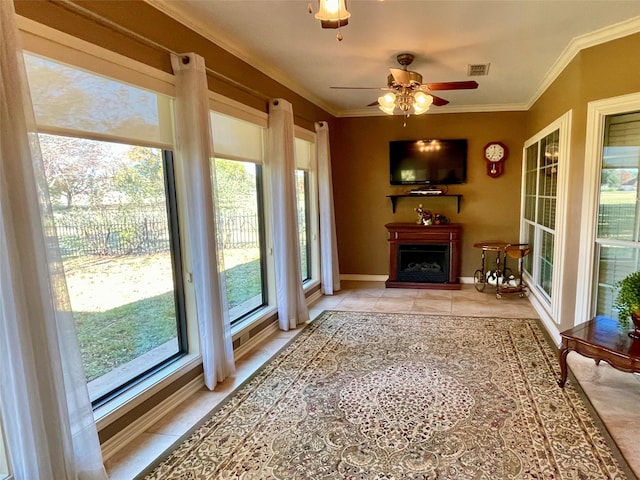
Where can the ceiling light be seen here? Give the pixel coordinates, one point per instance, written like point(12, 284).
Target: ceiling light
point(406, 100)
point(332, 14)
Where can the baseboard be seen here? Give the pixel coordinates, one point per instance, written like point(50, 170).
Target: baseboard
point(364, 278)
point(254, 341)
point(128, 434)
point(547, 321)
point(383, 278)
point(314, 297)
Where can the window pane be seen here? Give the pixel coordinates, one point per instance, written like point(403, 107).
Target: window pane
point(238, 187)
point(527, 262)
point(302, 197)
point(615, 264)
point(110, 212)
point(530, 185)
point(546, 262)
point(618, 209)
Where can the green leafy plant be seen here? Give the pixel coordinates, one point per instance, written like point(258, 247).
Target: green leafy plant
point(628, 297)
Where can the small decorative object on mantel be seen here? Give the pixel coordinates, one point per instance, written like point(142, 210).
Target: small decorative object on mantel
point(425, 217)
point(627, 303)
point(439, 219)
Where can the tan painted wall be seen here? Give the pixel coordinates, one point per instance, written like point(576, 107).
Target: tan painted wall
point(490, 207)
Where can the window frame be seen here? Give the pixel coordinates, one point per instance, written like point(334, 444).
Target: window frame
point(313, 211)
point(40, 40)
point(219, 104)
point(597, 111)
point(550, 303)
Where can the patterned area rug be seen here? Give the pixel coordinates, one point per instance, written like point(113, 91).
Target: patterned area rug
point(402, 396)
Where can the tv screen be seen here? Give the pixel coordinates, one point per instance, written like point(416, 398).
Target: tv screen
point(432, 161)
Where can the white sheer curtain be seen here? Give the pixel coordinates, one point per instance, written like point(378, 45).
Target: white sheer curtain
point(328, 243)
point(193, 150)
point(280, 166)
point(46, 412)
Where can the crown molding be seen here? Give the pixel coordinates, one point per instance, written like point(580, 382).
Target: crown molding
point(199, 26)
point(577, 44)
point(376, 112)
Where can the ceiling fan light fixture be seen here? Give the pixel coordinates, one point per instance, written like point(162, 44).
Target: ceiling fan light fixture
point(387, 103)
point(332, 13)
point(421, 102)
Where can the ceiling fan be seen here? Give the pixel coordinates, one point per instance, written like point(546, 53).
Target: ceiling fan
point(407, 92)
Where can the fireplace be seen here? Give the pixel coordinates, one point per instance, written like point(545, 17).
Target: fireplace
point(423, 263)
point(424, 256)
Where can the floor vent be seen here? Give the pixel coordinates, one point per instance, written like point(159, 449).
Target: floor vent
point(478, 70)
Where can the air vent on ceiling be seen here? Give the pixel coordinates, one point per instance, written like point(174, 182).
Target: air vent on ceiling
point(478, 70)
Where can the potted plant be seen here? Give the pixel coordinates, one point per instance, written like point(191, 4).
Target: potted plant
point(627, 302)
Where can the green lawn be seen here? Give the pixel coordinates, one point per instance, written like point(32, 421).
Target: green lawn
point(112, 338)
point(617, 197)
point(115, 337)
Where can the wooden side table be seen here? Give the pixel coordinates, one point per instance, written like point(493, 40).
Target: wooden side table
point(600, 339)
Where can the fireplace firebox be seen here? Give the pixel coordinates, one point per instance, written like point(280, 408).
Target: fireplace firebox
point(423, 263)
point(424, 256)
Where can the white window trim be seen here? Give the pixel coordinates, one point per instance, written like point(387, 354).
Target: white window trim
point(314, 212)
point(596, 113)
point(552, 306)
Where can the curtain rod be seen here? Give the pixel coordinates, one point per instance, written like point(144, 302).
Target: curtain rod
point(75, 8)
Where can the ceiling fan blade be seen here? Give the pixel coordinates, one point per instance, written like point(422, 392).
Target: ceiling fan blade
point(373, 104)
point(439, 102)
point(468, 85)
point(400, 76)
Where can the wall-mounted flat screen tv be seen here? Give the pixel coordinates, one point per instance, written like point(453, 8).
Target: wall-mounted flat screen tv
point(428, 162)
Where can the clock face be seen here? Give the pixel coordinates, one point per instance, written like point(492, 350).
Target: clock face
point(494, 152)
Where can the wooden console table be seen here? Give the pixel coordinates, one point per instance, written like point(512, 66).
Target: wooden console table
point(600, 339)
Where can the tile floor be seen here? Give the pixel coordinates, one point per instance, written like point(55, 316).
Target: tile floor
point(614, 395)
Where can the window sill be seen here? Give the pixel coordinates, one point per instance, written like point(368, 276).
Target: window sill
point(128, 400)
point(241, 327)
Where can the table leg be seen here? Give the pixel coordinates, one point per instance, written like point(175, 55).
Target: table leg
point(562, 357)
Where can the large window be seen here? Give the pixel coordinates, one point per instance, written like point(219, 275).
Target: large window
point(106, 150)
point(237, 177)
point(618, 227)
point(543, 222)
point(304, 194)
point(541, 180)
point(114, 215)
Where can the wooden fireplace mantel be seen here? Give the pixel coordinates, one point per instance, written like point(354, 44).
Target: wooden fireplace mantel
point(415, 234)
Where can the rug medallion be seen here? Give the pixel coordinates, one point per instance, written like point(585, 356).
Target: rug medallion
point(401, 396)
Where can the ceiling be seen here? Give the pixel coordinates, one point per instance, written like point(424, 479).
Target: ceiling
point(526, 43)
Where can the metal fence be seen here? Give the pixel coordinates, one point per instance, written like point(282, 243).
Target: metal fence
point(116, 235)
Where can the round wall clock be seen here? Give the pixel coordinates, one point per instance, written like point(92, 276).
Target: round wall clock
point(495, 153)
